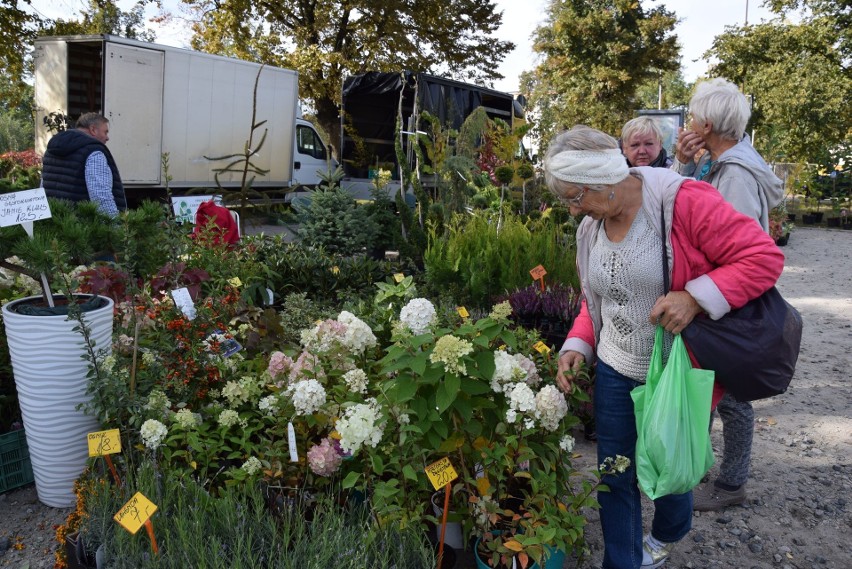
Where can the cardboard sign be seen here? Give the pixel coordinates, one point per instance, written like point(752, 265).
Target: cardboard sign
point(185, 207)
point(462, 311)
point(104, 442)
point(23, 207)
point(441, 473)
point(135, 513)
point(538, 272)
point(541, 347)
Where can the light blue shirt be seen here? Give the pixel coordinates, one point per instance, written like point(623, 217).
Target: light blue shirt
point(99, 183)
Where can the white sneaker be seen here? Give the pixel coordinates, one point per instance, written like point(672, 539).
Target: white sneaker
point(654, 552)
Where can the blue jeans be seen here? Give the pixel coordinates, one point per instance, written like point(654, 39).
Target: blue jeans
point(621, 506)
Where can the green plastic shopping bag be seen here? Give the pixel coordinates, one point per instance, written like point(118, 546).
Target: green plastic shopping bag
point(673, 450)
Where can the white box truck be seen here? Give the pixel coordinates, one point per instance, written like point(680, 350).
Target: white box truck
point(191, 105)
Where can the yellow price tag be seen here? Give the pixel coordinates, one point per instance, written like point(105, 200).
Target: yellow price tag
point(538, 272)
point(398, 277)
point(441, 473)
point(104, 442)
point(235, 282)
point(135, 513)
point(541, 347)
point(462, 311)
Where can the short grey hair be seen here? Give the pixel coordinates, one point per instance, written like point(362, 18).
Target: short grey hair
point(641, 125)
point(89, 120)
point(578, 137)
point(720, 102)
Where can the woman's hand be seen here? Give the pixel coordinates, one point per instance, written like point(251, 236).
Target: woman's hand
point(568, 366)
point(688, 144)
point(674, 311)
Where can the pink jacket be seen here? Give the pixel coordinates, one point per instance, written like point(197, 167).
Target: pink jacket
point(720, 256)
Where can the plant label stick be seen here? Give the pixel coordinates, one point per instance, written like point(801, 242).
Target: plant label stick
point(136, 513)
point(105, 443)
point(291, 443)
point(538, 273)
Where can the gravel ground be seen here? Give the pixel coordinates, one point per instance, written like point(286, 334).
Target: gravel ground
point(799, 509)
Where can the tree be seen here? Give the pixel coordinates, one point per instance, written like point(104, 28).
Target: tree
point(676, 92)
point(105, 17)
point(18, 26)
point(325, 40)
point(596, 55)
point(800, 81)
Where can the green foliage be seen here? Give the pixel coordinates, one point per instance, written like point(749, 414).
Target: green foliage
point(329, 39)
point(475, 262)
point(800, 80)
point(335, 222)
point(105, 17)
point(676, 92)
point(596, 54)
point(16, 132)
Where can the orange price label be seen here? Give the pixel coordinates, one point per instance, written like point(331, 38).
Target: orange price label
point(135, 513)
point(538, 272)
point(462, 311)
point(441, 473)
point(104, 442)
point(541, 347)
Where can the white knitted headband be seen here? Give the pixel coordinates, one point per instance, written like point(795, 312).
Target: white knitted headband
point(588, 166)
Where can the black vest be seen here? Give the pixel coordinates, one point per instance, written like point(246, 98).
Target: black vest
point(64, 167)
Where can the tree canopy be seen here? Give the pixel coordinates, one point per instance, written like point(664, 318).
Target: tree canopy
point(799, 76)
point(596, 55)
point(326, 40)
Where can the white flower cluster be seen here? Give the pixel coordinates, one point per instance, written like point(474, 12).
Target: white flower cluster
point(550, 407)
point(229, 418)
point(325, 337)
point(356, 380)
point(252, 465)
point(359, 426)
point(501, 311)
point(242, 391)
point(418, 315)
point(512, 368)
point(307, 396)
point(521, 400)
point(268, 405)
point(358, 336)
point(567, 443)
point(187, 419)
point(153, 432)
point(158, 402)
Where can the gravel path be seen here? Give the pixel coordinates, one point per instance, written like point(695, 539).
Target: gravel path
point(799, 511)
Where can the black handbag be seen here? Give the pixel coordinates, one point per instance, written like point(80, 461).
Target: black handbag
point(753, 349)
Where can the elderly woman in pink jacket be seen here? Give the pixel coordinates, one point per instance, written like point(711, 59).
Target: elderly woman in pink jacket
point(719, 259)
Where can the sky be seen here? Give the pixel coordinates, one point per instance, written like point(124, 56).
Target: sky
point(700, 22)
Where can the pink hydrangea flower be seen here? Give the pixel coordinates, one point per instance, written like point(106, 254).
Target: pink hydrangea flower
point(324, 458)
point(279, 364)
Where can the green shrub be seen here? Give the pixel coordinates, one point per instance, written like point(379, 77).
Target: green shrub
point(335, 222)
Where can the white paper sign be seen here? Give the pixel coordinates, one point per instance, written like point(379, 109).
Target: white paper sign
point(291, 443)
point(184, 302)
point(23, 207)
point(185, 207)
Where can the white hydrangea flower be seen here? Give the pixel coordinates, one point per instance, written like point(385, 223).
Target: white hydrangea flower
point(229, 418)
point(356, 380)
point(158, 401)
point(511, 415)
point(359, 337)
point(418, 315)
point(153, 432)
point(187, 419)
point(567, 443)
point(307, 396)
point(359, 426)
point(501, 311)
point(507, 370)
point(108, 363)
point(148, 358)
point(521, 397)
point(550, 407)
point(268, 404)
point(252, 465)
point(528, 366)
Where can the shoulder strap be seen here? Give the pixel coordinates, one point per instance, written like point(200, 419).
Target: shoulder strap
point(666, 284)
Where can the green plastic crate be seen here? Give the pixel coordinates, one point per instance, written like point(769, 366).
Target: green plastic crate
point(15, 467)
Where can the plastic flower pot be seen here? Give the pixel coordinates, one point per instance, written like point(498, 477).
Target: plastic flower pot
point(555, 558)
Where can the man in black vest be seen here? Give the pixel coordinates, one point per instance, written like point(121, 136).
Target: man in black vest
point(78, 166)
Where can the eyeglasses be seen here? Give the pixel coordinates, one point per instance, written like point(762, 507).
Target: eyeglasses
point(576, 201)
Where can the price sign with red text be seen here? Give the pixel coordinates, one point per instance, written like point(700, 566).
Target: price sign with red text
point(538, 272)
point(441, 473)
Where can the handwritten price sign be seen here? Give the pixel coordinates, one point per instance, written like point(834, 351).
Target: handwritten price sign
point(104, 442)
point(135, 513)
point(441, 473)
point(541, 347)
point(538, 272)
point(22, 207)
point(462, 311)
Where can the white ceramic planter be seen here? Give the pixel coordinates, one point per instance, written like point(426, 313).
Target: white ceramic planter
point(50, 376)
point(453, 534)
